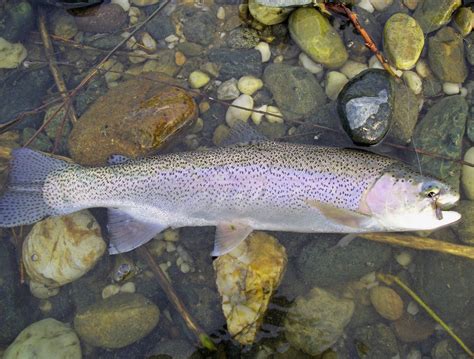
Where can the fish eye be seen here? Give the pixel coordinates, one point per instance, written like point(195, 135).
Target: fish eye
point(431, 190)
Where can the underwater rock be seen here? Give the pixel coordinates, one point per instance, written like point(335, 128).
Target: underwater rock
point(314, 35)
point(198, 26)
point(23, 91)
point(102, 18)
point(294, 89)
point(8, 142)
point(365, 106)
point(386, 302)
point(465, 228)
point(468, 174)
point(463, 20)
point(268, 15)
point(45, 339)
point(446, 56)
point(320, 264)
point(432, 14)
point(441, 131)
point(134, 124)
point(59, 250)
point(403, 41)
point(316, 321)
point(246, 279)
point(446, 283)
point(14, 314)
point(117, 321)
point(17, 18)
point(236, 62)
point(406, 107)
point(410, 329)
point(11, 55)
point(375, 342)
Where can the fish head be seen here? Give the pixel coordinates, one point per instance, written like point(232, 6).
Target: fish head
point(403, 200)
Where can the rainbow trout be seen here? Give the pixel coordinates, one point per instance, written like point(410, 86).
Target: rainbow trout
point(265, 186)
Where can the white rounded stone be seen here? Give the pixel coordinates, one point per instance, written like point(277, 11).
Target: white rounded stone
point(404, 258)
point(463, 92)
point(228, 90)
point(380, 5)
point(59, 250)
point(110, 290)
point(249, 84)
point(467, 178)
point(335, 81)
point(274, 115)
point(145, 2)
point(451, 88)
point(128, 287)
point(198, 79)
point(309, 64)
point(185, 268)
point(412, 308)
point(413, 81)
point(171, 235)
point(170, 247)
point(366, 5)
point(220, 13)
point(235, 114)
point(264, 49)
point(353, 68)
point(423, 69)
point(148, 42)
point(114, 70)
point(257, 116)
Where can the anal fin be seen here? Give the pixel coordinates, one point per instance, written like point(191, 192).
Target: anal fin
point(229, 236)
point(127, 233)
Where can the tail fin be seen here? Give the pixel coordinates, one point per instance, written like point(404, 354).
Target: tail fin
point(23, 203)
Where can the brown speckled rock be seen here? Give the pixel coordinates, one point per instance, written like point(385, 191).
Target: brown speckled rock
point(103, 18)
point(117, 321)
point(132, 119)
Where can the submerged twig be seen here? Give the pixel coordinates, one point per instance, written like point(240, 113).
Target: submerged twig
point(203, 338)
point(53, 67)
point(420, 243)
point(390, 279)
point(342, 9)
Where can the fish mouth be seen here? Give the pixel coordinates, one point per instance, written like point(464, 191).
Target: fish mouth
point(447, 200)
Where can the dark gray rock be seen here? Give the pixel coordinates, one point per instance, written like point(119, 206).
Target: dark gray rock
point(179, 349)
point(199, 27)
point(446, 55)
point(236, 63)
point(16, 20)
point(469, 48)
point(294, 89)
point(375, 342)
point(406, 107)
point(323, 264)
point(446, 283)
point(365, 106)
point(431, 87)
point(41, 142)
point(441, 132)
point(103, 42)
point(160, 27)
point(23, 91)
point(14, 309)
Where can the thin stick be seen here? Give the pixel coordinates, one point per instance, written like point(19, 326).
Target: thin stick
point(53, 67)
point(342, 9)
point(420, 243)
point(390, 279)
point(203, 338)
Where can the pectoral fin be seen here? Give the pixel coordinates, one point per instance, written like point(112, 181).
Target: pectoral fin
point(342, 216)
point(127, 233)
point(229, 236)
